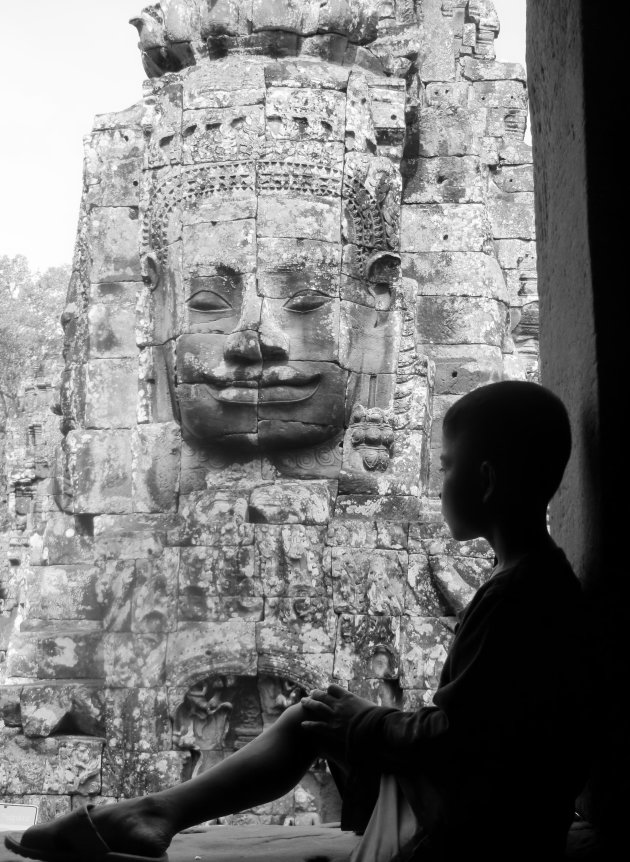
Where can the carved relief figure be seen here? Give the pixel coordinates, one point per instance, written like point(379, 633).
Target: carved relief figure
point(220, 714)
point(382, 662)
point(201, 722)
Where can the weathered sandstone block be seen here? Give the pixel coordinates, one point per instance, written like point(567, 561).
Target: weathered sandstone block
point(63, 765)
point(424, 642)
point(63, 593)
point(369, 581)
point(458, 320)
point(443, 179)
point(111, 393)
point(112, 330)
point(460, 368)
point(114, 235)
point(511, 217)
point(291, 560)
point(303, 624)
point(455, 274)
point(480, 70)
point(440, 227)
point(156, 463)
point(71, 652)
point(100, 470)
point(47, 709)
point(291, 503)
point(207, 574)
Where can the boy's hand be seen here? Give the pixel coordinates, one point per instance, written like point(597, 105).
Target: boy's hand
point(331, 711)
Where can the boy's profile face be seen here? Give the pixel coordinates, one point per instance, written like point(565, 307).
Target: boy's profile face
point(462, 493)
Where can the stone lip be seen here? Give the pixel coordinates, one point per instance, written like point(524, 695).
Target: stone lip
point(280, 385)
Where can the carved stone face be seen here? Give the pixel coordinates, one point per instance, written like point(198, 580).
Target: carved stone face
point(258, 357)
point(273, 266)
point(269, 331)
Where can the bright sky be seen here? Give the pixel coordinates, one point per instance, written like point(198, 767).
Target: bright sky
point(64, 62)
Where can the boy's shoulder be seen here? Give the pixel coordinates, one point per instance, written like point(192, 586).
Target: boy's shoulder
point(540, 578)
point(540, 585)
point(540, 597)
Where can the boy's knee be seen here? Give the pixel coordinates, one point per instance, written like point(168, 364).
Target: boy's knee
point(292, 717)
point(290, 721)
point(289, 725)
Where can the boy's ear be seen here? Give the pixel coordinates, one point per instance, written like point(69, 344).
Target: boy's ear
point(488, 481)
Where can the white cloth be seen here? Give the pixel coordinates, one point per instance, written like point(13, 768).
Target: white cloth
point(392, 825)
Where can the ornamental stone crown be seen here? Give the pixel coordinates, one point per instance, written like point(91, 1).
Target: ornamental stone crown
point(178, 33)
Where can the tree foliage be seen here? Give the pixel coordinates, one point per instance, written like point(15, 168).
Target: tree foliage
point(30, 307)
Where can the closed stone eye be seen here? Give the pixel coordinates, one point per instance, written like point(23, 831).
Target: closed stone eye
point(305, 301)
point(208, 301)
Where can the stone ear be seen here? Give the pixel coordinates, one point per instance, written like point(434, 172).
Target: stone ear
point(151, 269)
point(382, 270)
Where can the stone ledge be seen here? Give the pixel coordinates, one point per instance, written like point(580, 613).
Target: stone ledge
point(263, 844)
point(310, 844)
point(306, 844)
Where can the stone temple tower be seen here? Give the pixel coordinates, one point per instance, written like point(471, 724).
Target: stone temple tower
point(310, 236)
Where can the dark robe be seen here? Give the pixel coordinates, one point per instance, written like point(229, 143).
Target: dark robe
point(494, 766)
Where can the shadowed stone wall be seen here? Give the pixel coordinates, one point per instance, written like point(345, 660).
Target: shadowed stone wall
point(582, 343)
point(310, 237)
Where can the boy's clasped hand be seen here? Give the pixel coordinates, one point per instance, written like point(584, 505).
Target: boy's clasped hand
point(330, 712)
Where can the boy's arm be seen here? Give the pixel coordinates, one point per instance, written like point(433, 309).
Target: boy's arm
point(489, 666)
point(393, 737)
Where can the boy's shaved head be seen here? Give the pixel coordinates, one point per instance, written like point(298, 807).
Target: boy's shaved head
point(521, 428)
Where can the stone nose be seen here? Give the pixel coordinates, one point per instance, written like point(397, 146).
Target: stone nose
point(257, 336)
point(243, 345)
point(265, 341)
